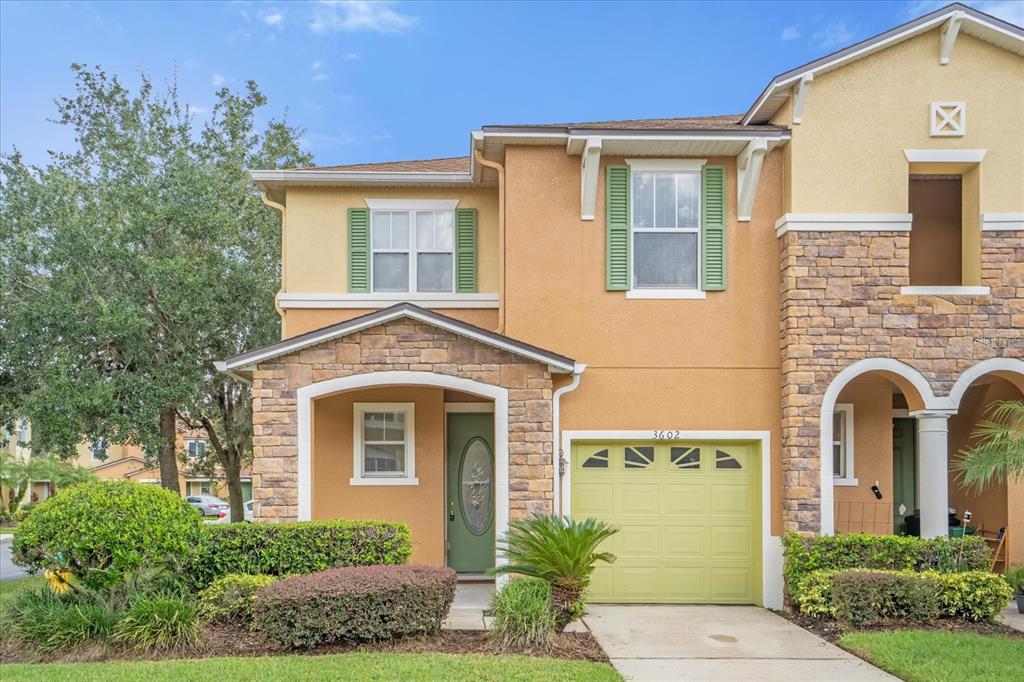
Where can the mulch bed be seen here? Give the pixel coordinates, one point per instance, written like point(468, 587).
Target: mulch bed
point(831, 630)
point(238, 641)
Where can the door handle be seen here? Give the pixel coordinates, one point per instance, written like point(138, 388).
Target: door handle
point(451, 511)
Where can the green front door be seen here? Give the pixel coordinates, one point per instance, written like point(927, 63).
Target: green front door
point(688, 514)
point(904, 472)
point(470, 485)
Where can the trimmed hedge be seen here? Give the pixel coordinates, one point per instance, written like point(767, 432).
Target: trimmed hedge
point(105, 530)
point(365, 603)
point(861, 597)
point(865, 598)
point(805, 554)
point(301, 547)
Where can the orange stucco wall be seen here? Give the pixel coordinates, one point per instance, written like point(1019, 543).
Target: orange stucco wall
point(420, 506)
point(871, 397)
point(685, 364)
point(1000, 504)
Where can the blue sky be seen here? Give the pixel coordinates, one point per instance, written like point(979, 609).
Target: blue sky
point(409, 80)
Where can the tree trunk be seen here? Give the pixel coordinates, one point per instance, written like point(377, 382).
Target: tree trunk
point(233, 475)
point(563, 599)
point(169, 449)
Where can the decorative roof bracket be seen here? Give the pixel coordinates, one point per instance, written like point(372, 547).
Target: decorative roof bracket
point(590, 165)
point(748, 167)
point(802, 88)
point(949, 34)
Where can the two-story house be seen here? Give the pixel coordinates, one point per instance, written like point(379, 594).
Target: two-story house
point(705, 331)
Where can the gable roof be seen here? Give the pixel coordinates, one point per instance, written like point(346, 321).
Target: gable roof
point(246, 361)
point(452, 164)
point(129, 458)
point(720, 123)
point(977, 24)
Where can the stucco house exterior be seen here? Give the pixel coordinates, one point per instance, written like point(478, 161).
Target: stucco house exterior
point(707, 331)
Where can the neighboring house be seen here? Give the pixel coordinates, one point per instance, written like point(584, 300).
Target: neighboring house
point(14, 441)
point(706, 331)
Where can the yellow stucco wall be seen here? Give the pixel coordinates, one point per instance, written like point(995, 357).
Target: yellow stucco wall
point(300, 321)
point(420, 506)
point(847, 154)
point(316, 240)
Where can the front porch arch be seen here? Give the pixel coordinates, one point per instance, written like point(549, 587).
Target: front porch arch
point(306, 394)
point(1010, 369)
point(919, 396)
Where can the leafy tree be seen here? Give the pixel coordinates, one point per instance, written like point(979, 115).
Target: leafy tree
point(998, 453)
point(132, 263)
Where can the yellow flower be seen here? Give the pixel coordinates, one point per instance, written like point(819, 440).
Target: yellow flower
point(59, 579)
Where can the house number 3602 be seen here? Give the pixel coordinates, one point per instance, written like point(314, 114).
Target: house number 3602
point(666, 435)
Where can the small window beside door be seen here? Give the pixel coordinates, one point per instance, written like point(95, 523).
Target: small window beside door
point(384, 451)
point(842, 445)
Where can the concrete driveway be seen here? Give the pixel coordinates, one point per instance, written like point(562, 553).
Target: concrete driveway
point(718, 643)
point(8, 571)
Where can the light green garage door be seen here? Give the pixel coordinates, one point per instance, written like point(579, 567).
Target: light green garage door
point(689, 516)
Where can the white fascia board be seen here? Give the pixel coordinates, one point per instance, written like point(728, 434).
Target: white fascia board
point(329, 334)
point(971, 22)
point(340, 300)
point(993, 222)
point(411, 204)
point(843, 222)
point(945, 155)
point(317, 177)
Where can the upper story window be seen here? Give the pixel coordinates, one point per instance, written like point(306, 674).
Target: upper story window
point(665, 226)
point(412, 251)
point(98, 449)
point(195, 448)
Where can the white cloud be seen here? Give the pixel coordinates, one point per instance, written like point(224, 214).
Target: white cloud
point(317, 65)
point(335, 16)
point(789, 33)
point(217, 80)
point(193, 109)
point(320, 77)
point(273, 17)
point(836, 34)
point(350, 56)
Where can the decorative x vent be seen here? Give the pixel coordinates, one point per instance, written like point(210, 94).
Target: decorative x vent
point(948, 119)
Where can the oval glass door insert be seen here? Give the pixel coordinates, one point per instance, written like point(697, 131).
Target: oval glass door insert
point(477, 489)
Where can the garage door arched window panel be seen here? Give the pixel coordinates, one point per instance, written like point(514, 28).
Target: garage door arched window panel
point(638, 457)
point(685, 457)
point(723, 460)
point(598, 460)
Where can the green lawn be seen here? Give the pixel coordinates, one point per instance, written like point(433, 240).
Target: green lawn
point(934, 656)
point(360, 666)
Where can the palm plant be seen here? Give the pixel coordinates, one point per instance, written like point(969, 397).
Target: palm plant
point(562, 552)
point(999, 451)
point(16, 475)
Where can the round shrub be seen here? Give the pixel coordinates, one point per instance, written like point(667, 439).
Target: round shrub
point(103, 530)
point(368, 603)
point(523, 618)
point(230, 598)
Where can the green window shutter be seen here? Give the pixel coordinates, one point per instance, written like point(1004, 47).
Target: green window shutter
point(465, 250)
point(359, 250)
point(616, 218)
point(712, 228)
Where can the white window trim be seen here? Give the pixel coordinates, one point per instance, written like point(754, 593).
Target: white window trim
point(409, 477)
point(411, 206)
point(848, 480)
point(106, 450)
point(943, 290)
point(189, 442)
point(671, 166)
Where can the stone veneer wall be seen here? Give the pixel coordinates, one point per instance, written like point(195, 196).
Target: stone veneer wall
point(403, 345)
point(841, 303)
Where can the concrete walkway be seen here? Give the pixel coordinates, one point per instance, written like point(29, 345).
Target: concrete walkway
point(1013, 617)
point(718, 643)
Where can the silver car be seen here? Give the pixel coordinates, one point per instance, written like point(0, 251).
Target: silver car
point(208, 505)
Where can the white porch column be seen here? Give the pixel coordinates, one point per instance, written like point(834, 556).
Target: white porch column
point(933, 472)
